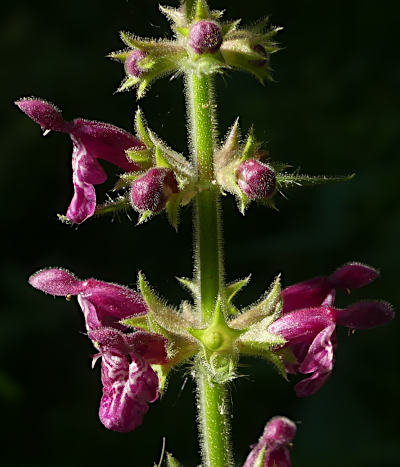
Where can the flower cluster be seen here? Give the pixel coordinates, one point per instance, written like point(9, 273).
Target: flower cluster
point(129, 382)
point(203, 43)
point(156, 177)
point(309, 320)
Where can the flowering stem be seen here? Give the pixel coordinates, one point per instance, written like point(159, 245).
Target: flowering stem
point(212, 397)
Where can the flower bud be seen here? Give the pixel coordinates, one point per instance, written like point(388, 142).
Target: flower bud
point(278, 434)
point(131, 63)
point(152, 191)
point(260, 49)
point(280, 430)
point(256, 180)
point(205, 37)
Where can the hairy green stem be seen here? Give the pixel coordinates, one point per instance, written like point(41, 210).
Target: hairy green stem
point(212, 397)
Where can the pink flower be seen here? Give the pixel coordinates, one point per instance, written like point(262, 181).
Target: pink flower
point(256, 179)
point(152, 190)
point(278, 433)
point(309, 322)
point(205, 37)
point(129, 382)
point(91, 141)
point(132, 67)
point(102, 303)
point(315, 291)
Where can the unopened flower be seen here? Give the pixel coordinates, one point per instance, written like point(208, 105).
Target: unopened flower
point(152, 191)
point(132, 67)
point(261, 50)
point(314, 292)
point(256, 179)
point(309, 321)
point(103, 303)
point(278, 434)
point(91, 141)
point(205, 37)
point(129, 382)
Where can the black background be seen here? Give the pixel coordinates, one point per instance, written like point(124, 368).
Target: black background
point(333, 110)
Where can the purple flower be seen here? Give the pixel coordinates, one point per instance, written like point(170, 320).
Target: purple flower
point(315, 292)
point(131, 63)
point(255, 179)
point(152, 191)
point(102, 303)
point(205, 37)
point(278, 433)
point(309, 322)
point(91, 141)
point(129, 382)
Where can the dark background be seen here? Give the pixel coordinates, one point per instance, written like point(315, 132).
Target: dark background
point(333, 110)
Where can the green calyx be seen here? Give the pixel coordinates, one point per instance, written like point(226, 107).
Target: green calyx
point(218, 337)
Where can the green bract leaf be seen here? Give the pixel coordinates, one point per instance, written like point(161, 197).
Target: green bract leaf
point(161, 161)
point(140, 322)
point(121, 55)
point(126, 179)
point(231, 144)
point(260, 458)
point(141, 128)
point(176, 161)
point(294, 180)
point(191, 285)
point(268, 306)
point(172, 462)
point(250, 147)
point(162, 317)
point(139, 155)
point(230, 26)
point(112, 207)
point(262, 350)
point(234, 287)
point(175, 15)
point(144, 217)
point(202, 11)
point(173, 210)
point(128, 83)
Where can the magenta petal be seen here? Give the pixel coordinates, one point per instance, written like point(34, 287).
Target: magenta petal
point(279, 430)
point(43, 113)
point(110, 339)
point(106, 141)
point(309, 386)
point(92, 319)
point(152, 347)
point(320, 354)
point(365, 315)
point(114, 300)
point(305, 294)
point(56, 281)
point(302, 325)
point(127, 389)
point(353, 276)
point(278, 458)
point(83, 203)
point(89, 170)
point(319, 361)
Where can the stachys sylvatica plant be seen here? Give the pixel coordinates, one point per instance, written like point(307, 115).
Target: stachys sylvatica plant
point(138, 337)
